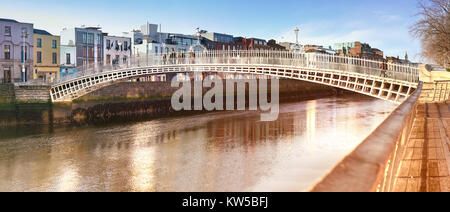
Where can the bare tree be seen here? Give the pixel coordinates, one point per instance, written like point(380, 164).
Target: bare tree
point(433, 28)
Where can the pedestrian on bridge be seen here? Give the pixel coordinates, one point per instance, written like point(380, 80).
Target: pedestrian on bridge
point(384, 69)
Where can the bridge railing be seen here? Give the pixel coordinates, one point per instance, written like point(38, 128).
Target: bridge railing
point(402, 72)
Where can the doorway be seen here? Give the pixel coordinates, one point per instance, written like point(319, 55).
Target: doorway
point(7, 75)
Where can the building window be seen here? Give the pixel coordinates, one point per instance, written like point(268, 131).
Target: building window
point(54, 58)
point(8, 31)
point(54, 44)
point(84, 38)
point(108, 44)
point(91, 52)
point(90, 38)
point(39, 57)
point(126, 45)
point(124, 60)
point(39, 43)
point(68, 59)
point(7, 52)
point(99, 52)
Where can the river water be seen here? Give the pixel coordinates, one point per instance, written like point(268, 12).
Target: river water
point(221, 151)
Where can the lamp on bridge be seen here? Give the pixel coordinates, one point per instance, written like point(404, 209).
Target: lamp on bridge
point(297, 46)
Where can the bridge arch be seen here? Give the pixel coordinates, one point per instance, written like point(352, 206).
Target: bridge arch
point(353, 74)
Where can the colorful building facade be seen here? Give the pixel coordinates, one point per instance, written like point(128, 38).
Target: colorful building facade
point(46, 63)
point(16, 51)
point(68, 60)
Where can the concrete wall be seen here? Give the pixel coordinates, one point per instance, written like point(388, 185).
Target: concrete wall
point(435, 92)
point(436, 85)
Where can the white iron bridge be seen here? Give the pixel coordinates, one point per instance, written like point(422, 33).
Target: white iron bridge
point(379, 79)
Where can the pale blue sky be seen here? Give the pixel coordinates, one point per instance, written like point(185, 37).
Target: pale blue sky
point(382, 23)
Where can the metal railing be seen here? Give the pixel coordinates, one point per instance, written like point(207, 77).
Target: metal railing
point(409, 73)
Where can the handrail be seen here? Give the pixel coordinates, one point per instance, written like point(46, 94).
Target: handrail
point(408, 72)
point(372, 164)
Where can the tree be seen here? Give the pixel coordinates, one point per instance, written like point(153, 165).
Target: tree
point(433, 28)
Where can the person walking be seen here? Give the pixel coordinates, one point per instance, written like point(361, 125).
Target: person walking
point(384, 69)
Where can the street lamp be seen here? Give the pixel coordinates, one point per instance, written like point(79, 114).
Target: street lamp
point(24, 31)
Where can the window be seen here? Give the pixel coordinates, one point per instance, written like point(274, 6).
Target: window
point(39, 57)
point(68, 59)
point(54, 44)
point(126, 45)
point(7, 52)
point(39, 43)
point(91, 52)
point(124, 60)
point(54, 58)
point(90, 38)
point(7, 30)
point(84, 38)
point(108, 44)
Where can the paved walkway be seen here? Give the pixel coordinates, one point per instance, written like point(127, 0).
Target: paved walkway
point(426, 163)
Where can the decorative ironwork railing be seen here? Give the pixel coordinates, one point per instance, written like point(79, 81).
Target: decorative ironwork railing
point(409, 73)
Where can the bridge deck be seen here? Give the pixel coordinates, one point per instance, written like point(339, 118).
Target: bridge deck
point(426, 162)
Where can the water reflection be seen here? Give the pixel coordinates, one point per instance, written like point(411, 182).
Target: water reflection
point(210, 152)
point(311, 120)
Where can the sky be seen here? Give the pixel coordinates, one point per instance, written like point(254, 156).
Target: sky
point(384, 24)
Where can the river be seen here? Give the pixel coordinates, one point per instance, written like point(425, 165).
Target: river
point(220, 151)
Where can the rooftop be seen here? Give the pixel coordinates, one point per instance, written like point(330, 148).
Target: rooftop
point(41, 32)
point(8, 20)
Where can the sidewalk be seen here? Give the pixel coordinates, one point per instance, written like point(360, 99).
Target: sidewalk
point(426, 163)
